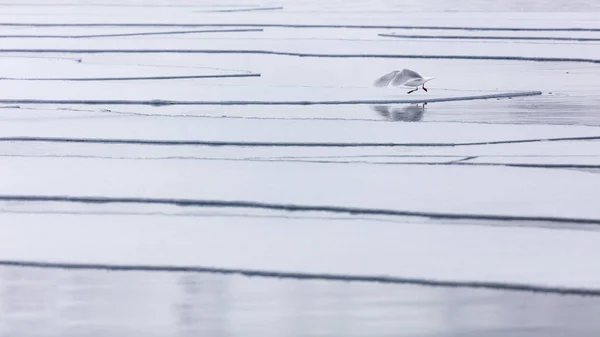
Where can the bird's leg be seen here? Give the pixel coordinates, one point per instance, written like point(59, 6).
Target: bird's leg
point(413, 90)
point(424, 88)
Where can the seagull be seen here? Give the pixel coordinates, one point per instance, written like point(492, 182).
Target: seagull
point(406, 77)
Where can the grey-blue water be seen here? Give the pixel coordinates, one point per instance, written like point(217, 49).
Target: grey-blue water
point(36, 302)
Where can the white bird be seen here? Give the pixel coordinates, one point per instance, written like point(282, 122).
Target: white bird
point(406, 78)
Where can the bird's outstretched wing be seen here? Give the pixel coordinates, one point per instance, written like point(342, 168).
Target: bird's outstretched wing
point(385, 79)
point(404, 76)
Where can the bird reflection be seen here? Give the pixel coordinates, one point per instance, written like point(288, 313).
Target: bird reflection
point(411, 113)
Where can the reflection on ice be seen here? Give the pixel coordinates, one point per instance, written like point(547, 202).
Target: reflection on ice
point(411, 113)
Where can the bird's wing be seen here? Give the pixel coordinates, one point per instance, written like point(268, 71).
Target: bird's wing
point(385, 79)
point(405, 76)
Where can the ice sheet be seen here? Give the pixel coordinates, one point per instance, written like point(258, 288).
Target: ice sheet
point(483, 190)
point(426, 251)
point(435, 167)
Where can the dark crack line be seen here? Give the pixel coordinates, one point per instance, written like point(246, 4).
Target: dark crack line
point(277, 25)
point(467, 37)
point(521, 287)
point(206, 143)
point(173, 33)
point(119, 5)
point(128, 78)
point(531, 165)
point(308, 159)
point(298, 54)
point(275, 144)
point(290, 208)
point(254, 216)
point(462, 160)
point(398, 220)
point(253, 9)
point(159, 102)
point(558, 139)
point(181, 32)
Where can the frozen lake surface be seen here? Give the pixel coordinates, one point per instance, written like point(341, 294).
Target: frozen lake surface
point(184, 168)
